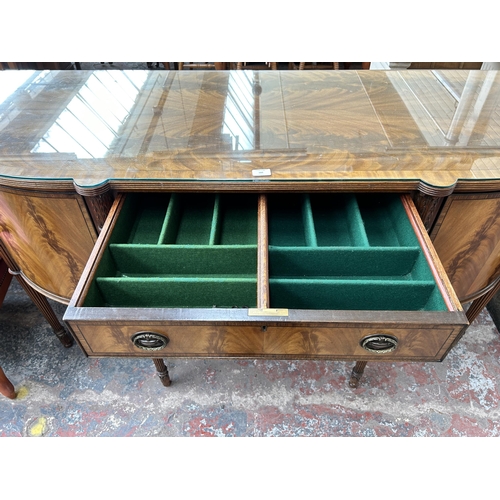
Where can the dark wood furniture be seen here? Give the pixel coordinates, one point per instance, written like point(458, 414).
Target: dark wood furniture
point(445, 65)
point(257, 66)
point(201, 65)
point(238, 146)
point(276, 275)
point(6, 387)
point(40, 65)
point(313, 65)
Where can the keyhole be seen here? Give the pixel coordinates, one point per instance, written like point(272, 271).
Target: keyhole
point(264, 328)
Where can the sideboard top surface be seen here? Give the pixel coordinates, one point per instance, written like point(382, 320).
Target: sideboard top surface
point(135, 129)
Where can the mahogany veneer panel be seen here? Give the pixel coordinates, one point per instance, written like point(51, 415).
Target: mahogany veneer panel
point(331, 130)
point(50, 236)
point(467, 240)
point(415, 343)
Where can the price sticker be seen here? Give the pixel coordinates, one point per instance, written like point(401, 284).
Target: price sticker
point(261, 172)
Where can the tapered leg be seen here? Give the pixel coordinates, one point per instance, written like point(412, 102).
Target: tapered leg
point(6, 387)
point(357, 373)
point(38, 299)
point(162, 371)
point(44, 307)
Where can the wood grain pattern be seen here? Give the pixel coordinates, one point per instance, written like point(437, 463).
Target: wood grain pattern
point(49, 235)
point(233, 332)
point(96, 254)
point(38, 299)
point(428, 208)
point(263, 299)
point(467, 240)
point(447, 292)
point(325, 126)
point(99, 207)
point(304, 342)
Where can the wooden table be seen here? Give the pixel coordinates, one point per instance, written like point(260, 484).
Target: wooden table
point(71, 142)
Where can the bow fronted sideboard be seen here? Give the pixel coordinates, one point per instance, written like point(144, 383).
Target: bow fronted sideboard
point(335, 215)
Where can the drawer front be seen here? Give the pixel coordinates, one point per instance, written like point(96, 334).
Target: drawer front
point(192, 268)
point(273, 341)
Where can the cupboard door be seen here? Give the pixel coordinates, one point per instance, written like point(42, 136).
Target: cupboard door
point(49, 236)
point(466, 237)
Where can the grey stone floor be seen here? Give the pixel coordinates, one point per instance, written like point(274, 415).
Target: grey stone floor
point(63, 393)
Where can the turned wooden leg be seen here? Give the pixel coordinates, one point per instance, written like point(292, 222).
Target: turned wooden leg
point(38, 299)
point(357, 373)
point(162, 371)
point(44, 307)
point(6, 387)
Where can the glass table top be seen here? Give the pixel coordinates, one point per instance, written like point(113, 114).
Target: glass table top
point(93, 126)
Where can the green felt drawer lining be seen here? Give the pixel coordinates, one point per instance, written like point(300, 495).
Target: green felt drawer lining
point(368, 294)
point(326, 251)
point(193, 219)
point(184, 260)
point(294, 220)
point(345, 261)
point(178, 292)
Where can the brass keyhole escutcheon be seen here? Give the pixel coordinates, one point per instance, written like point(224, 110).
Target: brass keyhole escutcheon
point(150, 341)
point(379, 343)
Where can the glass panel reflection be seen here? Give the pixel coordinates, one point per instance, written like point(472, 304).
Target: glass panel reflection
point(90, 123)
point(11, 81)
point(239, 120)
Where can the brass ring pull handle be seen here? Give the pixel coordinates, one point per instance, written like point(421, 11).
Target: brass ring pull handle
point(150, 341)
point(379, 344)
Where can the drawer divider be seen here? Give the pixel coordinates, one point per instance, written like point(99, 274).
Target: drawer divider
point(171, 221)
point(308, 221)
point(262, 253)
point(359, 236)
point(215, 228)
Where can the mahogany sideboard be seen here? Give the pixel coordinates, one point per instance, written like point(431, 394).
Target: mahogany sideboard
point(336, 215)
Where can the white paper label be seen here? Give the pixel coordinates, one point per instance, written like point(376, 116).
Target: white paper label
point(262, 172)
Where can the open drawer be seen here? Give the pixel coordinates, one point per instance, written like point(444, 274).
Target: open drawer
point(325, 275)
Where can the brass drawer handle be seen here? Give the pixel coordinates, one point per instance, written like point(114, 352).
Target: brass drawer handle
point(379, 344)
point(150, 341)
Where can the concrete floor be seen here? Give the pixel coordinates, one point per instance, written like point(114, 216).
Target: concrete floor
point(63, 393)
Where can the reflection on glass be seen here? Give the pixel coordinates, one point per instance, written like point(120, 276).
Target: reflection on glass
point(452, 108)
point(239, 110)
point(91, 121)
point(11, 81)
